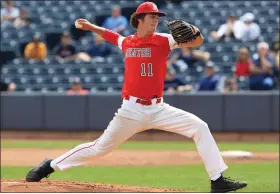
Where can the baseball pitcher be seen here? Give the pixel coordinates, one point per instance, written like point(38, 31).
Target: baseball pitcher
point(143, 107)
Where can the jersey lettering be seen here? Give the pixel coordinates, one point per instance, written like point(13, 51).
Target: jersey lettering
point(138, 52)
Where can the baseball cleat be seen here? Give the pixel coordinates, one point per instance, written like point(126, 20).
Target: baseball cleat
point(43, 170)
point(223, 185)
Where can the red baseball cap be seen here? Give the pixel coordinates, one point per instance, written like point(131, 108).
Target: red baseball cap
point(149, 7)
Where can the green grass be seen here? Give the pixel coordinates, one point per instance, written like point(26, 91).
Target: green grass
point(261, 177)
point(137, 145)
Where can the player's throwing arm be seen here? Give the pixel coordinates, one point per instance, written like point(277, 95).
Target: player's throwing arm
point(84, 24)
point(107, 34)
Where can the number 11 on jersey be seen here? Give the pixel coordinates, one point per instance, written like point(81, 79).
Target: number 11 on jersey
point(143, 69)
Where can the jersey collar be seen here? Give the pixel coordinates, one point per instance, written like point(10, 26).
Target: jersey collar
point(135, 37)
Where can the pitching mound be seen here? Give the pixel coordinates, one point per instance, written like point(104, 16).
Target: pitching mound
point(70, 186)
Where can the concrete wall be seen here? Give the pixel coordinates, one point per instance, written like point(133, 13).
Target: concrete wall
point(230, 112)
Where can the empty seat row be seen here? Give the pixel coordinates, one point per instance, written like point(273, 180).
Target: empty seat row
point(6, 70)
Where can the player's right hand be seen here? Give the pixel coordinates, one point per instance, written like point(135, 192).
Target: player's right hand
point(83, 24)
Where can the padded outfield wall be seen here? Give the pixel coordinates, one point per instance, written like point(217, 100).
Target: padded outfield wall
point(223, 112)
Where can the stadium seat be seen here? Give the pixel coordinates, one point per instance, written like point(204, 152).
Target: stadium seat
point(104, 73)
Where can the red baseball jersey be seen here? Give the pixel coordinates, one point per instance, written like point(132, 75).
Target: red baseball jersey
point(145, 63)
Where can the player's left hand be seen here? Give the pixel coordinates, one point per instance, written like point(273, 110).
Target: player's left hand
point(182, 31)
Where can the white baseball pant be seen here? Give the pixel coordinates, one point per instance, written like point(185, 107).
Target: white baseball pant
point(132, 118)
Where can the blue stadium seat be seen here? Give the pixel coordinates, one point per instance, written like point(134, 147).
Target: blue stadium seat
point(5, 70)
point(109, 70)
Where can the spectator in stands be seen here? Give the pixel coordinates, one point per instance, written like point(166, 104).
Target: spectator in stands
point(275, 43)
point(36, 49)
point(23, 19)
point(11, 87)
point(175, 83)
point(211, 81)
point(77, 87)
point(65, 51)
point(262, 69)
point(250, 30)
point(99, 48)
point(230, 85)
point(277, 59)
point(8, 14)
point(187, 58)
point(116, 22)
point(230, 29)
point(242, 65)
point(277, 70)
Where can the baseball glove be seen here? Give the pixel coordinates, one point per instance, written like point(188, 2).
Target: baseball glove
point(182, 31)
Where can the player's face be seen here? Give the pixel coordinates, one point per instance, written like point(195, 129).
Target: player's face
point(151, 22)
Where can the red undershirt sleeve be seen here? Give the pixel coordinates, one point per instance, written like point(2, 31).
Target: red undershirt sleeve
point(111, 37)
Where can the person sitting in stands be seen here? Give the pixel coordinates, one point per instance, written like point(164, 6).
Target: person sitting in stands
point(77, 87)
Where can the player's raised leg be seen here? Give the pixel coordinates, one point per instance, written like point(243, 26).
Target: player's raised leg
point(175, 120)
point(118, 131)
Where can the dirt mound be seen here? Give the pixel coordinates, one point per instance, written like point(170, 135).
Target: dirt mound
point(70, 186)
